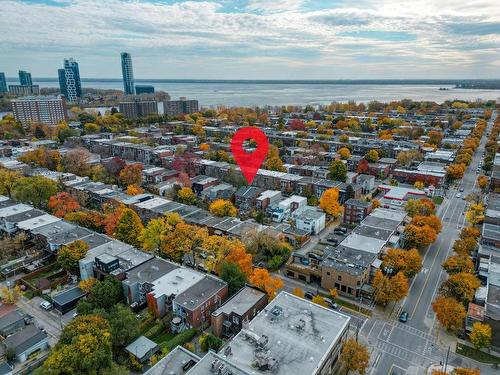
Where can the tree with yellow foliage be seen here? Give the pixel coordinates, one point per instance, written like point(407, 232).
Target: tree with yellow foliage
point(407, 261)
point(461, 286)
point(262, 279)
point(134, 190)
point(185, 195)
point(465, 371)
point(319, 300)
point(480, 335)
point(298, 292)
point(344, 153)
point(389, 289)
point(10, 296)
point(204, 147)
point(354, 356)
point(69, 255)
point(475, 213)
point(222, 207)
point(375, 204)
point(87, 284)
point(329, 202)
point(419, 185)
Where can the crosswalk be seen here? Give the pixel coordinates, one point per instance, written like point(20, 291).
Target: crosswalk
point(415, 331)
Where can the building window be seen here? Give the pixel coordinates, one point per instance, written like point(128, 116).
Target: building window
point(328, 273)
point(339, 278)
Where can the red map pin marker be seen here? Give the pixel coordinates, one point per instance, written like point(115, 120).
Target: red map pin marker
point(249, 162)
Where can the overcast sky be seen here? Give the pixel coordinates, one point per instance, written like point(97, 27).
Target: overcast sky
point(254, 39)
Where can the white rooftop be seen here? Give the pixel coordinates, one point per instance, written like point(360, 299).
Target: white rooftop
point(175, 282)
point(38, 221)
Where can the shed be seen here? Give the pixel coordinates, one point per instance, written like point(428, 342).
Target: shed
point(143, 349)
point(67, 300)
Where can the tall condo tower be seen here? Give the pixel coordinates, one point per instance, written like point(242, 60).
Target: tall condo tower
point(25, 78)
point(69, 80)
point(128, 74)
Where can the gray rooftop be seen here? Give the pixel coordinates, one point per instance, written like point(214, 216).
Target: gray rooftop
point(173, 362)
point(141, 347)
point(149, 271)
point(214, 360)
point(200, 292)
point(300, 334)
point(10, 318)
point(68, 295)
point(24, 339)
point(241, 302)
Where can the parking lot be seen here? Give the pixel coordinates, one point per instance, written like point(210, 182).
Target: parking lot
point(51, 321)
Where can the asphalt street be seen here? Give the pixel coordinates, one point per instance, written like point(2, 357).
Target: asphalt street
point(411, 347)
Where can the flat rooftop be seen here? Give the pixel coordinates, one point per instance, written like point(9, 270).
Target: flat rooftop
point(199, 292)
point(300, 334)
point(173, 362)
point(363, 243)
point(241, 302)
point(149, 271)
point(176, 282)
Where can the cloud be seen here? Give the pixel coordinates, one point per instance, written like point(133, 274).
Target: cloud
point(214, 38)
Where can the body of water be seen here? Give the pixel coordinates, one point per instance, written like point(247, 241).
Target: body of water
point(249, 93)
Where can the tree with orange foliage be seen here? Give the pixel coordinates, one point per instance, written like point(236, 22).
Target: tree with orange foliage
point(432, 220)
point(455, 171)
point(482, 182)
point(470, 232)
point(204, 147)
point(344, 153)
point(421, 207)
point(89, 219)
point(355, 356)
point(62, 204)
point(263, 280)
point(435, 137)
point(449, 312)
point(43, 157)
point(465, 371)
point(375, 204)
point(362, 166)
point(298, 292)
point(389, 289)
point(461, 286)
point(112, 215)
point(385, 134)
point(131, 174)
point(329, 202)
point(134, 190)
point(419, 236)
point(240, 257)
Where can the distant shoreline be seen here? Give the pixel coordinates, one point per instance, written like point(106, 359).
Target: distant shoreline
point(462, 83)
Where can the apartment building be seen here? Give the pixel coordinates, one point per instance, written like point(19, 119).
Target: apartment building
point(47, 110)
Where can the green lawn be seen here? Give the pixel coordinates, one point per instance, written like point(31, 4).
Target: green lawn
point(437, 200)
point(162, 337)
point(477, 355)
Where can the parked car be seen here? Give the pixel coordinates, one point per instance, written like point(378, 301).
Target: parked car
point(340, 230)
point(403, 317)
point(202, 268)
point(458, 195)
point(331, 304)
point(461, 189)
point(46, 305)
point(309, 295)
point(332, 240)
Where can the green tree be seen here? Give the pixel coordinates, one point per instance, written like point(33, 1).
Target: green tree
point(34, 190)
point(124, 325)
point(105, 294)
point(338, 171)
point(233, 276)
point(129, 228)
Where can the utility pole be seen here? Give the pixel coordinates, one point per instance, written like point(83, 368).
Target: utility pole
point(446, 361)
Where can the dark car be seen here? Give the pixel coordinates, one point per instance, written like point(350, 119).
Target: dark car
point(309, 295)
point(340, 230)
point(403, 317)
point(333, 240)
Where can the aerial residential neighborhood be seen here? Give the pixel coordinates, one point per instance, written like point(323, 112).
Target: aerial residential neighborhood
point(255, 213)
